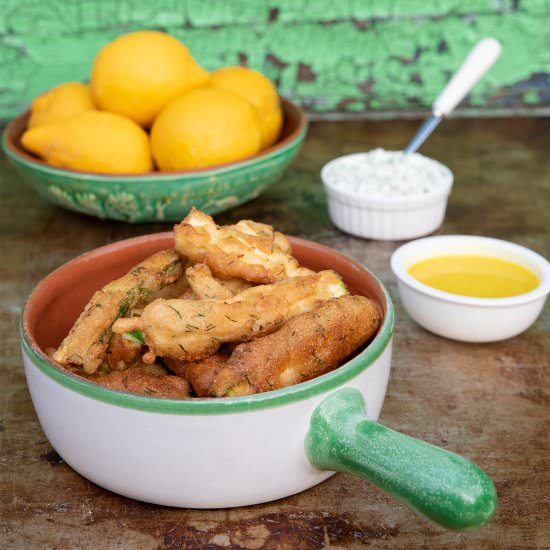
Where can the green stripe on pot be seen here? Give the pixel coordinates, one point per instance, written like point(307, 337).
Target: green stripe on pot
point(226, 405)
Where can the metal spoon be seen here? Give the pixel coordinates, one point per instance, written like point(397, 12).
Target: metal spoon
point(480, 59)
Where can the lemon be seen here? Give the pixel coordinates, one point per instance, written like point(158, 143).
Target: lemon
point(60, 102)
point(92, 141)
point(137, 74)
point(259, 91)
point(204, 127)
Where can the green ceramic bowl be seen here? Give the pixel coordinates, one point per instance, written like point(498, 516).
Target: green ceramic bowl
point(158, 196)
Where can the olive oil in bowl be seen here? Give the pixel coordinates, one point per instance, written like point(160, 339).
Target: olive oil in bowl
point(475, 276)
point(471, 288)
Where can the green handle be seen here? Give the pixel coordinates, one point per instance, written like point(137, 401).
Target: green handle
point(436, 483)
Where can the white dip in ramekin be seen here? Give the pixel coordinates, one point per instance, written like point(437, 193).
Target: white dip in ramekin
point(387, 195)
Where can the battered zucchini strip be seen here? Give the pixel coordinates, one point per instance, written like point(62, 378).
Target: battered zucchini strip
point(200, 374)
point(204, 285)
point(123, 351)
point(192, 330)
point(172, 290)
point(235, 285)
point(144, 380)
point(87, 341)
point(305, 347)
point(247, 250)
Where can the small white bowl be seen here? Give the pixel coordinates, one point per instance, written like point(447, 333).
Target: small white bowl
point(390, 217)
point(461, 317)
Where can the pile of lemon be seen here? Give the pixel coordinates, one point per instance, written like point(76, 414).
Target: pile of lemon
point(149, 104)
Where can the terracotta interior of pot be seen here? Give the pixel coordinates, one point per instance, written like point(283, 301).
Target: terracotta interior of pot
point(293, 122)
point(57, 301)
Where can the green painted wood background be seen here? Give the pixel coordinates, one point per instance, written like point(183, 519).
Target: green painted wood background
point(376, 57)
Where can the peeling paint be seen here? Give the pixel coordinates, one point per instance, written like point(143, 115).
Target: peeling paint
point(321, 53)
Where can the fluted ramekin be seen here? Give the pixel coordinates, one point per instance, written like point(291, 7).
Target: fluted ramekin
point(387, 218)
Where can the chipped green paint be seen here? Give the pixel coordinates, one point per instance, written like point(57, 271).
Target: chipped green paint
point(353, 56)
point(440, 485)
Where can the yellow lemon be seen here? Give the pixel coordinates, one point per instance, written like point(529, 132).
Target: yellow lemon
point(60, 102)
point(204, 127)
point(92, 141)
point(137, 74)
point(259, 91)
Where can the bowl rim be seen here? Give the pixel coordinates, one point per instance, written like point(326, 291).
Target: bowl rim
point(399, 257)
point(391, 201)
point(213, 406)
point(19, 155)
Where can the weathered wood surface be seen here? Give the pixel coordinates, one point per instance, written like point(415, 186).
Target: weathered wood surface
point(488, 402)
point(368, 57)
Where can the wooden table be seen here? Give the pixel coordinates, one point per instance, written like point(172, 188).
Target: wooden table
point(488, 402)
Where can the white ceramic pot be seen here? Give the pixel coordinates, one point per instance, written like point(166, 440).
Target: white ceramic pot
point(214, 453)
point(249, 450)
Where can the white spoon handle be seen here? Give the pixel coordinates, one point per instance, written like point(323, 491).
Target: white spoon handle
point(479, 61)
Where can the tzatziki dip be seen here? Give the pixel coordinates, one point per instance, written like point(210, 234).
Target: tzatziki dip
point(385, 174)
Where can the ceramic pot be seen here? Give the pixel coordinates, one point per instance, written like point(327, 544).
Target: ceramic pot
point(217, 453)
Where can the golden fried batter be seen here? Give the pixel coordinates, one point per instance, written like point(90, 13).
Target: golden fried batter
point(307, 346)
point(235, 285)
point(194, 329)
point(143, 380)
point(246, 318)
point(200, 374)
point(173, 290)
point(122, 352)
point(247, 250)
point(87, 341)
point(204, 285)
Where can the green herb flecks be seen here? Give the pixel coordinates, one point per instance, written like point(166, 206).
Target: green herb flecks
point(144, 293)
point(170, 269)
point(136, 336)
point(175, 311)
point(127, 303)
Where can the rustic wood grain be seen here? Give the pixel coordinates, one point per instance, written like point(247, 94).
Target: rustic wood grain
point(488, 402)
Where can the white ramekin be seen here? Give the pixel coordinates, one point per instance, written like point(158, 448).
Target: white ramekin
point(386, 218)
point(462, 317)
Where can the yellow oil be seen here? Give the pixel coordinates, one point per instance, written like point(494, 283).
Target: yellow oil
point(475, 276)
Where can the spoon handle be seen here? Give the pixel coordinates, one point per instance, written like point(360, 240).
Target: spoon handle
point(480, 59)
point(436, 483)
point(428, 126)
